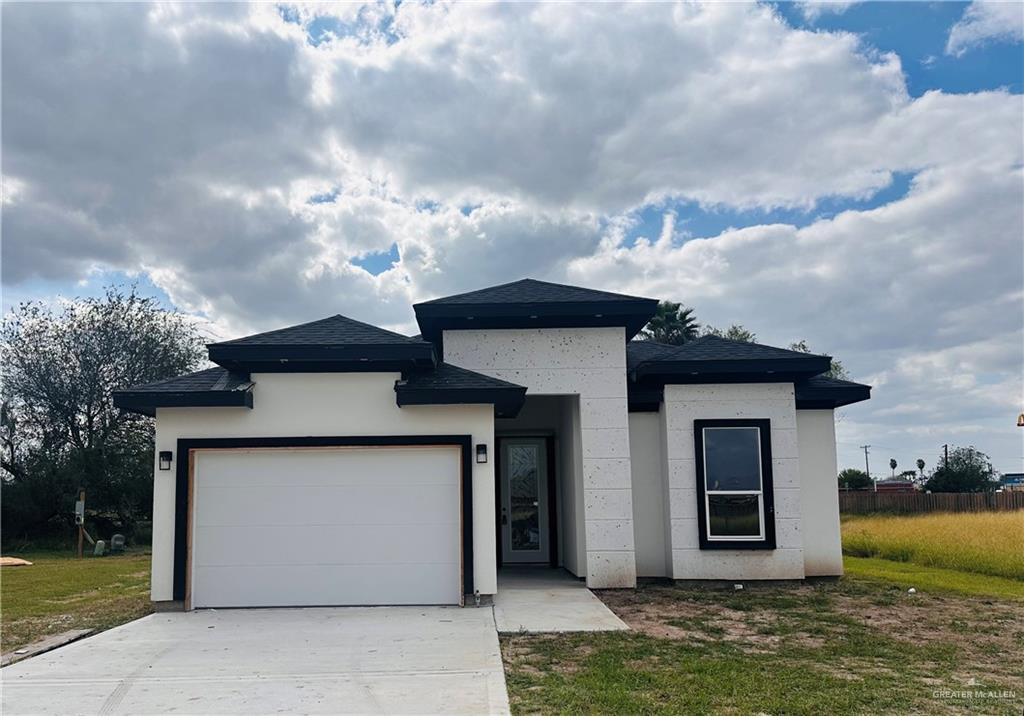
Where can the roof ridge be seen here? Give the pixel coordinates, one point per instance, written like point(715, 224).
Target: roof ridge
point(529, 280)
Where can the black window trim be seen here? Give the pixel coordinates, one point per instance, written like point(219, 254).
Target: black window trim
point(767, 485)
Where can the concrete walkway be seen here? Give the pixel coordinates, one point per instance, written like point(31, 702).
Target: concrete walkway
point(422, 660)
point(540, 599)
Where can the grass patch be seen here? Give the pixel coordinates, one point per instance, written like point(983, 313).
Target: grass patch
point(59, 592)
point(848, 647)
point(933, 579)
point(989, 543)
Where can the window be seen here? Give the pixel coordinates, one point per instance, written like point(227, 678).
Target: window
point(734, 484)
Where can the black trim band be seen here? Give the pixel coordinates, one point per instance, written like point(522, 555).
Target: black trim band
point(767, 487)
point(181, 496)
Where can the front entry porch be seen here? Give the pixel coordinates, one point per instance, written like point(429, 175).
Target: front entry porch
point(543, 599)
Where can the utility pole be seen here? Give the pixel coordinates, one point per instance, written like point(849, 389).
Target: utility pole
point(945, 450)
point(867, 468)
point(80, 519)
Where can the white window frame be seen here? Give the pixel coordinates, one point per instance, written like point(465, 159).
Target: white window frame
point(761, 536)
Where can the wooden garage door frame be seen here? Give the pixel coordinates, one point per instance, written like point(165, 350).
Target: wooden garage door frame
point(183, 487)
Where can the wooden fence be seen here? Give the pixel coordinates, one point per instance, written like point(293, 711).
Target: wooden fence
point(859, 503)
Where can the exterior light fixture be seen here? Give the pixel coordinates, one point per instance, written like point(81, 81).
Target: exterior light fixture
point(1020, 420)
point(481, 452)
point(165, 459)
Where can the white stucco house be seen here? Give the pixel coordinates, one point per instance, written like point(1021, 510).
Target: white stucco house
point(336, 463)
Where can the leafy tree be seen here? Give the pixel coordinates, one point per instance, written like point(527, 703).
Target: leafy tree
point(920, 467)
point(735, 332)
point(892, 466)
point(59, 429)
point(673, 323)
point(836, 370)
point(853, 479)
point(966, 470)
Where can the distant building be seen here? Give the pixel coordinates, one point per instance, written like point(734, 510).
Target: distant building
point(1013, 481)
point(895, 485)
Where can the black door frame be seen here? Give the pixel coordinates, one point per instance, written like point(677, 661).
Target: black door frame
point(549, 448)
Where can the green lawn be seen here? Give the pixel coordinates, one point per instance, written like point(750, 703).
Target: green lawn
point(58, 593)
point(859, 645)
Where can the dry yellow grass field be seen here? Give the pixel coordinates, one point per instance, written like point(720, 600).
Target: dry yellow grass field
point(982, 542)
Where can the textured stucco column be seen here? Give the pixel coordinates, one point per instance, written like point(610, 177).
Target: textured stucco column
point(590, 363)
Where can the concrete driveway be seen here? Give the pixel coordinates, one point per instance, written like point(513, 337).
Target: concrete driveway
point(419, 660)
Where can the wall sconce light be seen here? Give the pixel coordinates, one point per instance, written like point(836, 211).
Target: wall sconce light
point(1020, 420)
point(165, 459)
point(481, 452)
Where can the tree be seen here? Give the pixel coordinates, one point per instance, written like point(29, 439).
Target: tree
point(966, 470)
point(920, 467)
point(673, 323)
point(853, 479)
point(735, 332)
point(59, 429)
point(892, 466)
point(837, 370)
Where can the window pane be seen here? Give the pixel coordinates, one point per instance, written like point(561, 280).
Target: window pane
point(734, 516)
point(524, 497)
point(732, 459)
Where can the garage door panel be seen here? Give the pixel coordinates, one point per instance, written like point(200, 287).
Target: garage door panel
point(319, 466)
point(299, 504)
point(330, 585)
point(318, 544)
point(292, 527)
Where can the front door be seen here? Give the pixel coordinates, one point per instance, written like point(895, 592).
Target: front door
point(524, 501)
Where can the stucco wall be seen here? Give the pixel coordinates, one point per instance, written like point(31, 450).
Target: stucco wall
point(648, 493)
point(683, 405)
point(324, 404)
point(819, 498)
point(590, 363)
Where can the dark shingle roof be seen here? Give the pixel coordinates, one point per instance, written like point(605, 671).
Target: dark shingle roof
point(446, 375)
point(447, 384)
point(529, 290)
point(330, 344)
point(209, 379)
point(206, 388)
point(821, 391)
point(716, 348)
point(333, 330)
point(533, 304)
point(639, 351)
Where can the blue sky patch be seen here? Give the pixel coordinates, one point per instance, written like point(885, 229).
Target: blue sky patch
point(92, 287)
point(918, 32)
point(379, 261)
point(697, 222)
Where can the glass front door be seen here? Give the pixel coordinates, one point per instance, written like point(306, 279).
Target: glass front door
point(524, 500)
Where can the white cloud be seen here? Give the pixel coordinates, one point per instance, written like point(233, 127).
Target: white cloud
point(813, 9)
point(985, 21)
point(493, 142)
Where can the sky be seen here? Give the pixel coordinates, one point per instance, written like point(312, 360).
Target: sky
point(849, 174)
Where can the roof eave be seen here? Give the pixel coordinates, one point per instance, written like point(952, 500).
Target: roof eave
point(146, 402)
point(507, 401)
point(774, 369)
point(254, 358)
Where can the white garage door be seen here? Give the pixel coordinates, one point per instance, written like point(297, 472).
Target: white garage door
point(317, 527)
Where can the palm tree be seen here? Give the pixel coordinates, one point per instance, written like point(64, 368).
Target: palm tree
point(920, 467)
point(892, 464)
point(673, 323)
